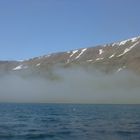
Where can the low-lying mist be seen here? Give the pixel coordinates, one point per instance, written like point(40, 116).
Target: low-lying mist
point(74, 85)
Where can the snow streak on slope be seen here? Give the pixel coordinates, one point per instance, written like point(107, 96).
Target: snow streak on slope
point(128, 49)
point(20, 67)
point(134, 39)
point(112, 55)
point(73, 52)
point(81, 53)
point(100, 51)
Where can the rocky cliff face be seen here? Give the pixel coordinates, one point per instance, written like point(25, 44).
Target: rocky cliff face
point(109, 58)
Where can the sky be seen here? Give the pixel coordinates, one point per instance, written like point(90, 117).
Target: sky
point(30, 28)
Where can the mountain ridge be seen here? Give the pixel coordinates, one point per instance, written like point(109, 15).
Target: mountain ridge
point(112, 57)
point(103, 74)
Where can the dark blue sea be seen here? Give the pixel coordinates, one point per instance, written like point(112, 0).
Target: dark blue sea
point(69, 122)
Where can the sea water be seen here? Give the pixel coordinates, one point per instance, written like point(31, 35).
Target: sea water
point(69, 122)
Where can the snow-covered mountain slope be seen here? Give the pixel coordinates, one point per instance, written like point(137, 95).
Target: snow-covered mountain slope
point(113, 57)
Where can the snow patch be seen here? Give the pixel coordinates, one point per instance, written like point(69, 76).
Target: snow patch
point(114, 44)
point(89, 60)
point(99, 58)
point(134, 39)
point(112, 55)
point(81, 53)
point(20, 67)
point(38, 64)
point(100, 51)
point(128, 49)
point(120, 69)
point(73, 52)
point(44, 56)
point(120, 43)
point(47, 55)
point(123, 42)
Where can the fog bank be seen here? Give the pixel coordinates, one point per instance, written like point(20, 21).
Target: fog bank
point(73, 86)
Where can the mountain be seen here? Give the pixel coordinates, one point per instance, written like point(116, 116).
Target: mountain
point(101, 74)
point(109, 58)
